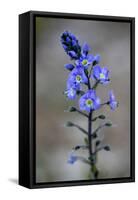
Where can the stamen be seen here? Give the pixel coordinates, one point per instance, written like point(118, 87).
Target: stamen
point(102, 76)
point(84, 62)
point(78, 78)
point(89, 102)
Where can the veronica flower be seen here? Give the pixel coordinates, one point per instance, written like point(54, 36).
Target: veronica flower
point(78, 76)
point(71, 92)
point(112, 101)
point(71, 45)
point(100, 74)
point(89, 101)
point(85, 60)
point(72, 158)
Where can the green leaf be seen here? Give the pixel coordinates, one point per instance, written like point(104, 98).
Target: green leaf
point(99, 117)
point(109, 124)
point(97, 142)
point(94, 135)
point(95, 85)
point(77, 147)
point(69, 124)
point(86, 72)
point(95, 171)
point(72, 109)
point(107, 148)
point(80, 92)
point(81, 129)
point(80, 147)
point(86, 141)
point(102, 117)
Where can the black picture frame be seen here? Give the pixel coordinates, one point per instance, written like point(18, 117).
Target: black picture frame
point(27, 100)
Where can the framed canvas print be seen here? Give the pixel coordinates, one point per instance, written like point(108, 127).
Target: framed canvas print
point(76, 99)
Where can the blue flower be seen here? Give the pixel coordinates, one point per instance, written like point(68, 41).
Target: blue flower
point(78, 76)
point(89, 101)
point(71, 92)
point(72, 158)
point(85, 60)
point(100, 74)
point(112, 101)
point(73, 54)
point(71, 45)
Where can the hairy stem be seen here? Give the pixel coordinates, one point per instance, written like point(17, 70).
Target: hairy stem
point(92, 157)
point(90, 133)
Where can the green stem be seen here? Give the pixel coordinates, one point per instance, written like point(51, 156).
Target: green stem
point(90, 133)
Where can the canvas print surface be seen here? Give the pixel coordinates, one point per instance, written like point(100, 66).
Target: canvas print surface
point(82, 99)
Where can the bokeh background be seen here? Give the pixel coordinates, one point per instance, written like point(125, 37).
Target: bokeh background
point(54, 141)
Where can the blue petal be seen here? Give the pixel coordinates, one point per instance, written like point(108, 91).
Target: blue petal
point(90, 58)
point(77, 62)
point(71, 93)
point(91, 94)
point(111, 95)
point(74, 43)
point(82, 103)
point(105, 71)
point(97, 70)
point(113, 105)
point(72, 54)
point(97, 103)
point(85, 79)
point(72, 159)
point(97, 59)
point(72, 36)
point(65, 33)
point(85, 49)
point(64, 47)
point(112, 101)
point(69, 66)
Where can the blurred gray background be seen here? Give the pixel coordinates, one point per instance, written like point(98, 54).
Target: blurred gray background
point(53, 141)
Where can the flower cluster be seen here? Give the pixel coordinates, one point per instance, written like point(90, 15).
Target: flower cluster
point(79, 74)
point(85, 74)
point(70, 45)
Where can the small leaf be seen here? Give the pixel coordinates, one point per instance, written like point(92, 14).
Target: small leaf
point(97, 142)
point(94, 171)
point(86, 141)
point(77, 147)
point(86, 71)
point(80, 92)
point(109, 124)
point(70, 67)
point(94, 135)
point(107, 148)
point(102, 117)
point(72, 109)
point(80, 147)
point(69, 124)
